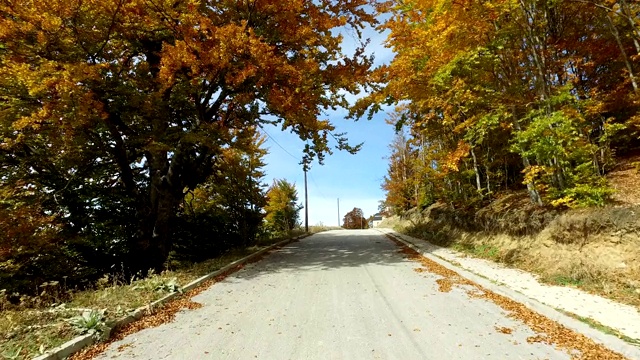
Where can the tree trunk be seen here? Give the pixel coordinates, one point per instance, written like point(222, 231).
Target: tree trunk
point(616, 35)
point(558, 173)
point(165, 174)
point(531, 188)
point(476, 170)
point(486, 170)
point(155, 234)
point(536, 47)
point(635, 32)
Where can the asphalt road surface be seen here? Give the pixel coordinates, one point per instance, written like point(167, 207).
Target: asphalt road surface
point(336, 295)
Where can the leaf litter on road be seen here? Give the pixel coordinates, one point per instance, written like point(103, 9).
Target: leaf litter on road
point(157, 317)
point(504, 330)
point(578, 346)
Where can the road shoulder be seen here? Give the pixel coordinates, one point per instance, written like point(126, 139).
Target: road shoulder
point(544, 299)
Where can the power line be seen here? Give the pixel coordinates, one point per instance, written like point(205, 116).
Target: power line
point(285, 150)
point(318, 187)
point(277, 143)
point(306, 195)
point(322, 195)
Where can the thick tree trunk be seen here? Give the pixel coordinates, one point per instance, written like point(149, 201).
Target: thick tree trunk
point(165, 174)
point(154, 242)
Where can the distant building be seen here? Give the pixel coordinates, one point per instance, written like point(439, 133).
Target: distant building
point(376, 220)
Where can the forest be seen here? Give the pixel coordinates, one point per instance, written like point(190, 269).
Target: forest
point(132, 150)
point(508, 95)
point(130, 130)
point(131, 137)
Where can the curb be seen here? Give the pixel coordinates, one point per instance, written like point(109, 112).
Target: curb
point(74, 345)
point(608, 341)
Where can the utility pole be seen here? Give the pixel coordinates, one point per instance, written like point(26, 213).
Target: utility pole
point(306, 203)
point(338, 212)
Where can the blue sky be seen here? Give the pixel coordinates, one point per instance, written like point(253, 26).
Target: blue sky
point(354, 179)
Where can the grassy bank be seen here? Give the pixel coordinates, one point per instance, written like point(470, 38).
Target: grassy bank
point(596, 250)
point(58, 314)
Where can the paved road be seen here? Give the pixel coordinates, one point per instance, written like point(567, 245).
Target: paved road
point(336, 295)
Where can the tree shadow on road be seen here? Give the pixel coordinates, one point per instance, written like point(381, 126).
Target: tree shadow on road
point(328, 251)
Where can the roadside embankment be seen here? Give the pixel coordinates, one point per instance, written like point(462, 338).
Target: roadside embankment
point(596, 250)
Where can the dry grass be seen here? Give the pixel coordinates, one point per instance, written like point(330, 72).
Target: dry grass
point(547, 331)
point(597, 250)
point(27, 332)
point(624, 180)
point(320, 228)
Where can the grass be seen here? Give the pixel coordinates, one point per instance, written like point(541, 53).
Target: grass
point(564, 280)
point(28, 332)
point(602, 328)
point(592, 249)
point(481, 251)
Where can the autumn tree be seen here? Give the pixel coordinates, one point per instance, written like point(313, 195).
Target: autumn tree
point(355, 219)
point(401, 195)
point(29, 242)
point(384, 208)
point(226, 210)
point(113, 110)
point(282, 209)
point(499, 94)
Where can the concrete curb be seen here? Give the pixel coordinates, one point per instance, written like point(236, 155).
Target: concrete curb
point(606, 340)
point(74, 345)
